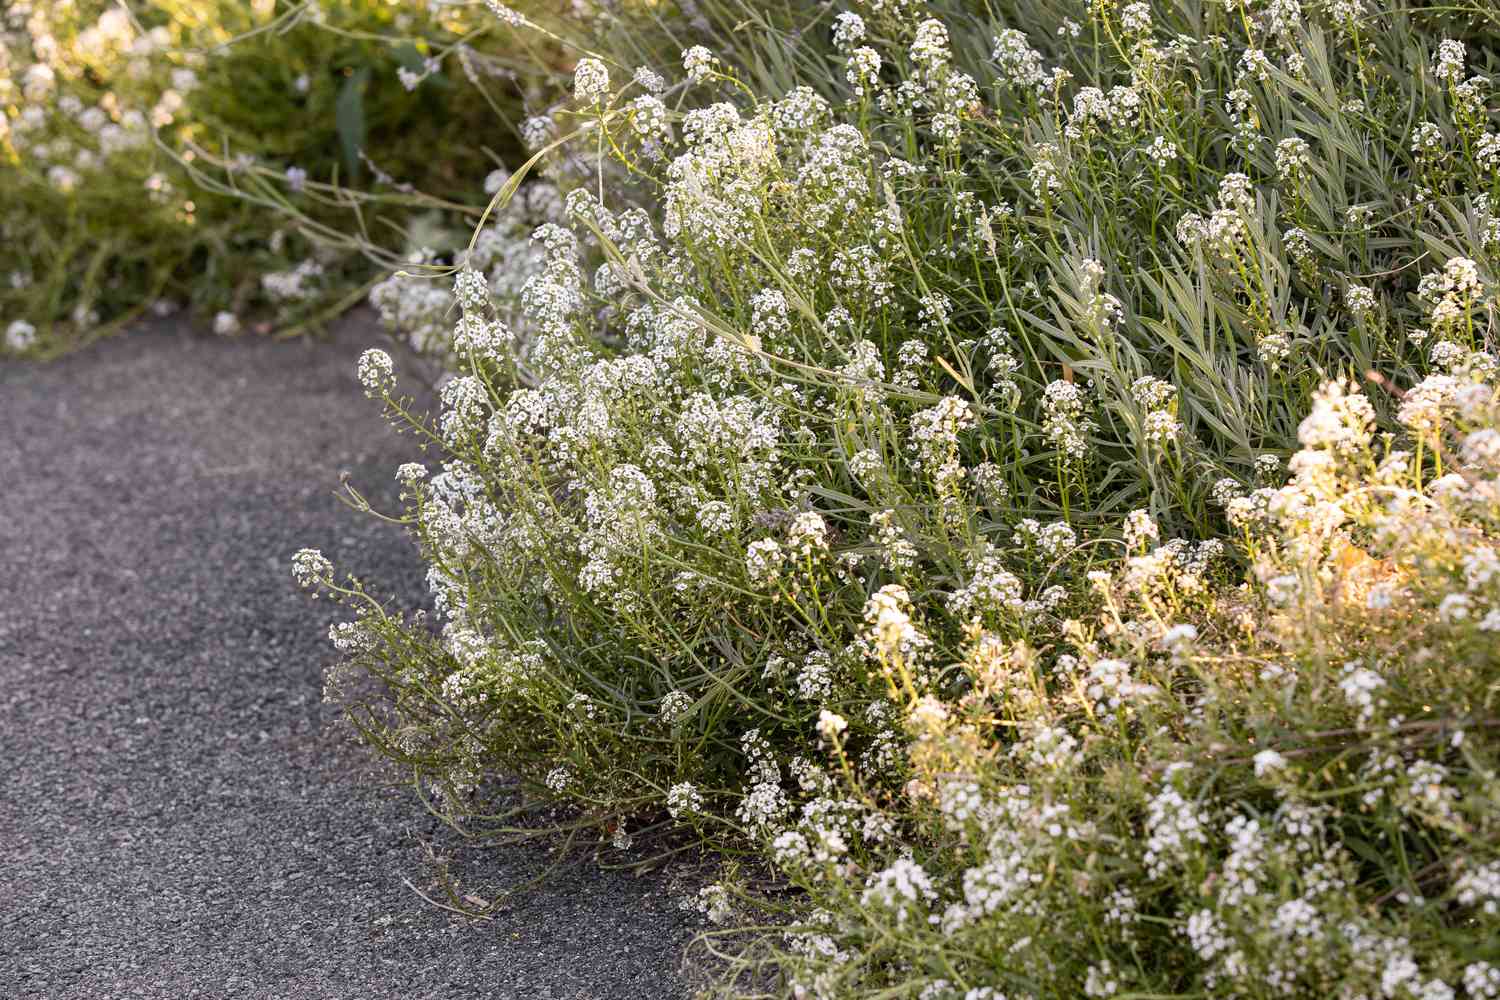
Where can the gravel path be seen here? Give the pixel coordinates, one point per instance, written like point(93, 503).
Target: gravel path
point(177, 819)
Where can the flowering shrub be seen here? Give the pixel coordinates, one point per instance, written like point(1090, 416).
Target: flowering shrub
point(861, 461)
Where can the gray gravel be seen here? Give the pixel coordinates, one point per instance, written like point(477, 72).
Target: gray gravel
point(177, 818)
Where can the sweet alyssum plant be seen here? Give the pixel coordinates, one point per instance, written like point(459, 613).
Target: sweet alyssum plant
point(1283, 789)
point(81, 90)
point(810, 492)
point(166, 153)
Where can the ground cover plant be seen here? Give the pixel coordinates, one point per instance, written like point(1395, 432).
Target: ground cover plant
point(1025, 473)
point(1282, 790)
point(259, 163)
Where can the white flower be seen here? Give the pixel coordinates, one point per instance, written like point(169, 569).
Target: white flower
point(1179, 636)
point(763, 562)
point(1449, 62)
point(807, 535)
point(991, 588)
point(1359, 300)
point(1341, 419)
point(830, 725)
point(376, 370)
point(1454, 607)
point(1135, 18)
point(928, 715)
point(1160, 427)
point(1066, 424)
point(590, 81)
point(904, 888)
point(20, 335)
point(649, 80)
point(507, 15)
point(310, 567)
point(226, 324)
point(1173, 826)
point(62, 178)
point(471, 289)
point(1481, 888)
point(930, 46)
point(815, 679)
point(1020, 64)
point(1482, 980)
point(1293, 156)
point(699, 62)
point(1359, 685)
point(789, 849)
point(715, 903)
point(891, 628)
point(1140, 530)
point(683, 799)
point(495, 180)
point(1100, 981)
point(350, 637)
point(1161, 151)
point(537, 130)
point(1267, 761)
point(674, 705)
point(716, 517)
point(862, 70)
point(1111, 687)
point(848, 30)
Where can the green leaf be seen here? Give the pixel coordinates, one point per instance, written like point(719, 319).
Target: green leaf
point(408, 56)
point(349, 118)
